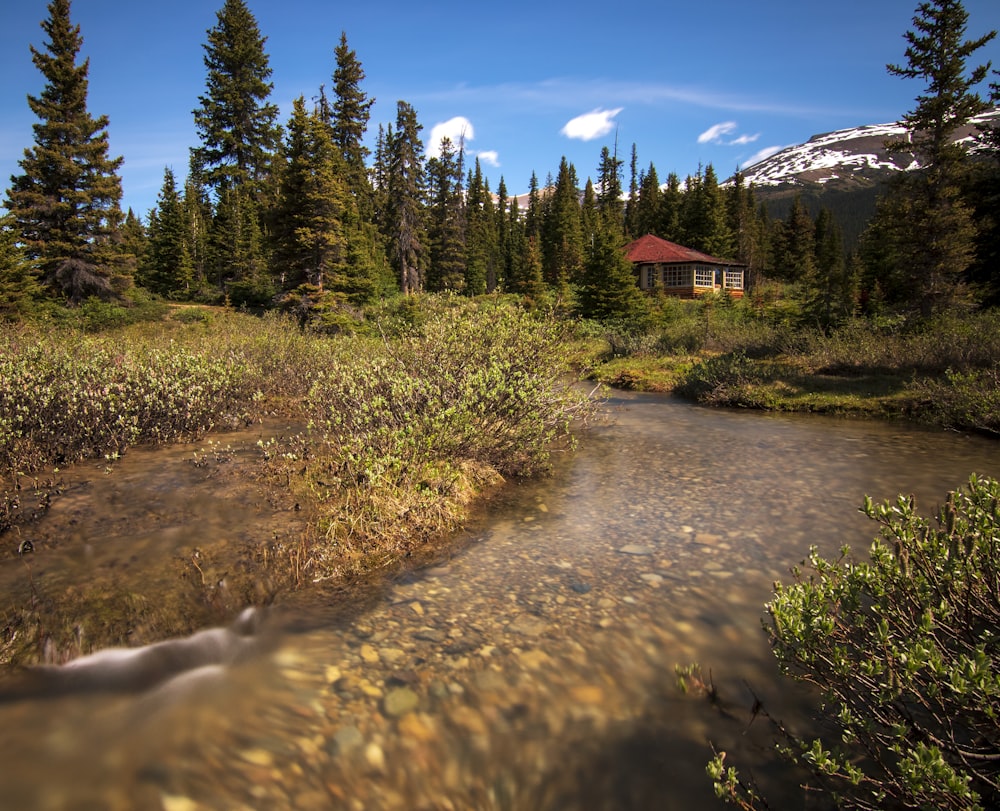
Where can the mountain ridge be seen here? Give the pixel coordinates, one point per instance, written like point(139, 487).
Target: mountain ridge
point(856, 156)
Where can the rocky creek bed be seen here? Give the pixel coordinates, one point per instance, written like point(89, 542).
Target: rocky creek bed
point(532, 668)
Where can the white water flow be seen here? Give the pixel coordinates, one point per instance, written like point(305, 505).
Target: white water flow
point(534, 668)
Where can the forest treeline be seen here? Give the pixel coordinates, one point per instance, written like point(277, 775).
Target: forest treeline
point(302, 216)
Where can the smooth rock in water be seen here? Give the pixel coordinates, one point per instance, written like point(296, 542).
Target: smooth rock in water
point(174, 802)
point(527, 624)
point(347, 739)
point(258, 757)
point(375, 756)
point(400, 701)
point(391, 655)
point(635, 549)
point(429, 635)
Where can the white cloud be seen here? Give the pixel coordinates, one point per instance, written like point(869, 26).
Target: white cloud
point(458, 130)
point(591, 125)
point(713, 134)
point(757, 157)
point(489, 157)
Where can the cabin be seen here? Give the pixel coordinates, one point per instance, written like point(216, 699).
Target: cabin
point(682, 272)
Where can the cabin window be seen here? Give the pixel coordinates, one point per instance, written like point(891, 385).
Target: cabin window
point(704, 277)
point(676, 277)
point(734, 280)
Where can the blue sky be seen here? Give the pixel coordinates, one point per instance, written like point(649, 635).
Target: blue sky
point(689, 83)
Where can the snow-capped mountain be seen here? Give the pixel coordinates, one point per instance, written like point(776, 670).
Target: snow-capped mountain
point(850, 157)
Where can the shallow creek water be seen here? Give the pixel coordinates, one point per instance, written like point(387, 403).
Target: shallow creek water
point(533, 668)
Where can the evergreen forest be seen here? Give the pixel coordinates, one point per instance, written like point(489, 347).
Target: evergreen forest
point(301, 216)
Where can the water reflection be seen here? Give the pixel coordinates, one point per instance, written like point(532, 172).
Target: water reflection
point(534, 669)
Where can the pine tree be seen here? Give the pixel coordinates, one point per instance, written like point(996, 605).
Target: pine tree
point(562, 231)
point(168, 269)
point(609, 190)
point(671, 200)
point(19, 287)
point(404, 195)
point(482, 256)
point(647, 207)
point(608, 289)
point(350, 113)
point(66, 205)
point(935, 243)
point(446, 226)
point(307, 223)
point(795, 246)
point(235, 122)
point(830, 298)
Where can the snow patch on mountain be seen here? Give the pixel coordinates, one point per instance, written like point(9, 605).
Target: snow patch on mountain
point(854, 153)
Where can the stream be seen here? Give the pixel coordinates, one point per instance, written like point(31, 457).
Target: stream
point(530, 668)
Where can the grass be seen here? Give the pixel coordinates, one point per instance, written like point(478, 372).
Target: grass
point(942, 371)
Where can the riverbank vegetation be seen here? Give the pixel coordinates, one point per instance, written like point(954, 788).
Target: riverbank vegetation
point(410, 421)
point(903, 648)
point(940, 370)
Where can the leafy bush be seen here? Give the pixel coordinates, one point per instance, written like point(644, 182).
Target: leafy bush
point(730, 379)
point(964, 400)
point(405, 429)
point(906, 649)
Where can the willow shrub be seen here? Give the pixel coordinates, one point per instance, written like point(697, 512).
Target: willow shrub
point(906, 649)
point(409, 428)
point(66, 396)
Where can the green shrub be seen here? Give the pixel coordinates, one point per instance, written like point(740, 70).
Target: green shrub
point(730, 379)
point(963, 401)
point(905, 648)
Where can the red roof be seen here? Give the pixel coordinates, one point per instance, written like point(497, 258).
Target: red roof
point(650, 249)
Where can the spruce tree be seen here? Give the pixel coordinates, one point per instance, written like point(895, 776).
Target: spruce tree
point(743, 222)
point(236, 123)
point(482, 257)
point(632, 204)
point(671, 200)
point(168, 269)
point(562, 231)
point(935, 242)
point(404, 195)
point(197, 229)
point(307, 224)
point(703, 215)
point(446, 226)
point(66, 204)
point(648, 204)
point(609, 190)
point(349, 119)
point(608, 289)
point(830, 299)
point(502, 228)
point(19, 288)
